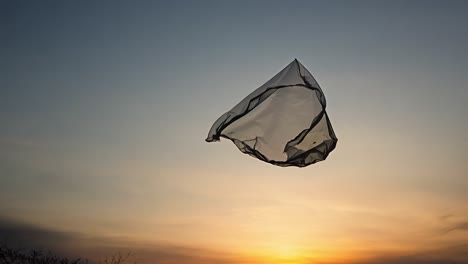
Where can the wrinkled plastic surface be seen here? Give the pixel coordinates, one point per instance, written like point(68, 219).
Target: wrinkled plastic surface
point(283, 122)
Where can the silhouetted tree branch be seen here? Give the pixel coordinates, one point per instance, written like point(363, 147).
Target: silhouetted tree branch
point(10, 255)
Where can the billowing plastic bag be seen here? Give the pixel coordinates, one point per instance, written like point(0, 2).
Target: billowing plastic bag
point(283, 122)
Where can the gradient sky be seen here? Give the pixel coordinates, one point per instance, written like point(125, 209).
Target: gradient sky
point(105, 106)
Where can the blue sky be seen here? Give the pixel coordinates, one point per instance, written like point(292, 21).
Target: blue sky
point(105, 106)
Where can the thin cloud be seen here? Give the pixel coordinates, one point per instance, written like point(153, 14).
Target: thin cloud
point(447, 255)
point(410, 260)
point(72, 244)
point(23, 235)
point(462, 226)
point(26, 236)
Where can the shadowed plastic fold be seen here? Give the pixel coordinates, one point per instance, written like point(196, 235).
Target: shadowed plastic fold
point(283, 122)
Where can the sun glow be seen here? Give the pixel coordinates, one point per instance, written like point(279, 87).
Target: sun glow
point(282, 254)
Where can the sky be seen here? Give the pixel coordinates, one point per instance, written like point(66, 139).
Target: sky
point(105, 106)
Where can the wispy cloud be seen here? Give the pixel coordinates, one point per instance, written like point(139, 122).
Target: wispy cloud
point(461, 226)
point(410, 260)
point(28, 236)
point(444, 255)
point(23, 235)
point(72, 244)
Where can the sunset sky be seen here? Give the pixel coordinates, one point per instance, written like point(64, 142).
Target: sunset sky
point(105, 105)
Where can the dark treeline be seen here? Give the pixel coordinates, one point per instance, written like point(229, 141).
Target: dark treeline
point(10, 255)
